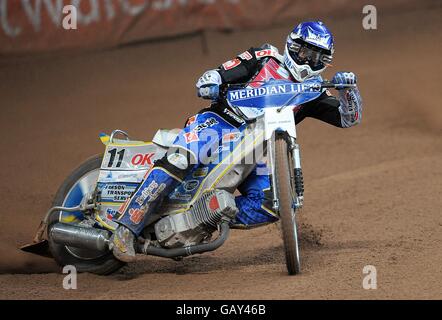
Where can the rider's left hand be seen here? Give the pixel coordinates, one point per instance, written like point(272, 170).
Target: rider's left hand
point(342, 78)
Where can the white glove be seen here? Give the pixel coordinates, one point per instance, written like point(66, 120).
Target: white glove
point(209, 78)
point(208, 85)
point(343, 78)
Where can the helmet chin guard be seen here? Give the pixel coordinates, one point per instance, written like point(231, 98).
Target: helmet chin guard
point(300, 72)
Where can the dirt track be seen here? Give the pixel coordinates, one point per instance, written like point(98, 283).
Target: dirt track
point(373, 192)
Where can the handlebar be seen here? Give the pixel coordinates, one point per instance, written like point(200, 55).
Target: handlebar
point(330, 85)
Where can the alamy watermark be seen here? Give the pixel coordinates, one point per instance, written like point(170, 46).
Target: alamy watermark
point(70, 18)
point(70, 281)
point(370, 281)
point(370, 20)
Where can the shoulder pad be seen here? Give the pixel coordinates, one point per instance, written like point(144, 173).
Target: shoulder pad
point(267, 50)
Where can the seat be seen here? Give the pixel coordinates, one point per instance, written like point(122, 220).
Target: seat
point(165, 137)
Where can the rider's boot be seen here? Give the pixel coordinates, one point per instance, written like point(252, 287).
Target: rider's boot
point(132, 216)
point(122, 244)
point(255, 203)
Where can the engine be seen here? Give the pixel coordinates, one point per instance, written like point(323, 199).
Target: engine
point(191, 227)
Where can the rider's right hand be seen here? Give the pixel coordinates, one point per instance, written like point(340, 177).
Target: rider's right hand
point(208, 85)
point(209, 92)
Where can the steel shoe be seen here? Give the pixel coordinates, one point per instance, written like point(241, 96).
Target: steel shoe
point(122, 244)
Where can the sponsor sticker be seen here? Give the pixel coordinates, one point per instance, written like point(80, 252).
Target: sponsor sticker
point(132, 176)
point(178, 160)
point(246, 55)
point(190, 185)
point(181, 196)
point(231, 137)
point(148, 194)
point(231, 64)
point(136, 215)
point(191, 137)
point(265, 53)
point(191, 120)
point(116, 192)
point(200, 172)
point(207, 124)
point(110, 213)
point(321, 40)
point(242, 94)
point(142, 159)
point(233, 116)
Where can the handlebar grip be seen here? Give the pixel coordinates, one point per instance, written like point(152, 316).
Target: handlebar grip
point(329, 84)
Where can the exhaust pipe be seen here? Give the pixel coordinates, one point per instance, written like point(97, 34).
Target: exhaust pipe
point(80, 237)
point(96, 239)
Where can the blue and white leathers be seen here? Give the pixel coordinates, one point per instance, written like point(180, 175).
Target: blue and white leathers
point(254, 204)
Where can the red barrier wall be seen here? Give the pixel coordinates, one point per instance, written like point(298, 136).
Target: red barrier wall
point(28, 26)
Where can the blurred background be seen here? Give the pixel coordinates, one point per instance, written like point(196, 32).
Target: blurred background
point(373, 192)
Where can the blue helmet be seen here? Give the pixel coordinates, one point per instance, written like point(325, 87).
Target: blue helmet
point(309, 50)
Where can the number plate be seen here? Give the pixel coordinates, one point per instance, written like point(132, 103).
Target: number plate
point(140, 157)
point(279, 121)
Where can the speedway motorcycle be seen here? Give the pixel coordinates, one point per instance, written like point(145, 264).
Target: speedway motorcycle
point(77, 229)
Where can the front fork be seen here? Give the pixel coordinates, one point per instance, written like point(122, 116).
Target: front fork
point(297, 180)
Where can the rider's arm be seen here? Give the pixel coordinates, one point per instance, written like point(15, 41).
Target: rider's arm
point(240, 69)
point(343, 113)
point(237, 70)
point(325, 108)
point(350, 107)
point(246, 64)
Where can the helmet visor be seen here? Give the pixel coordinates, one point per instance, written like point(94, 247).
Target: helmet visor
point(304, 53)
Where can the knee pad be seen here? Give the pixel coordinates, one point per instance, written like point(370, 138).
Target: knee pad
point(177, 161)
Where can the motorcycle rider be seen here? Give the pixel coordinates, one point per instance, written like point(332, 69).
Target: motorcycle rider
point(308, 51)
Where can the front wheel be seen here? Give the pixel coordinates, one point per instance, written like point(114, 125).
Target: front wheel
point(286, 210)
point(81, 182)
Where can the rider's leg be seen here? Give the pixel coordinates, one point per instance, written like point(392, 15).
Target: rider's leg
point(254, 204)
point(195, 144)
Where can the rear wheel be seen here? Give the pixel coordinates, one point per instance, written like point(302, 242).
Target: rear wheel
point(286, 210)
point(79, 183)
